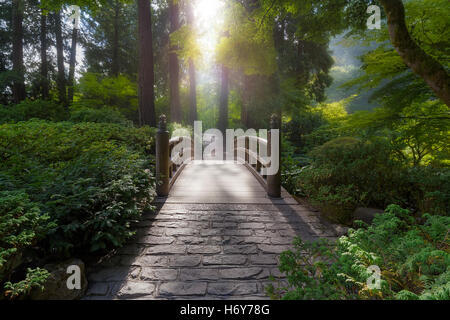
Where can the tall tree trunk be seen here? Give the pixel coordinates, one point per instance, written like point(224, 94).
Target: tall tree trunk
point(245, 101)
point(192, 93)
point(223, 106)
point(61, 77)
point(44, 63)
point(19, 93)
point(146, 90)
point(115, 47)
point(72, 63)
point(418, 60)
point(174, 68)
point(192, 78)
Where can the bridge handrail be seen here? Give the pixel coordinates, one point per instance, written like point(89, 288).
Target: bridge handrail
point(259, 140)
point(175, 140)
point(167, 169)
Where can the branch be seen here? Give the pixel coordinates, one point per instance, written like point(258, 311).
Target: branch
point(267, 11)
point(414, 56)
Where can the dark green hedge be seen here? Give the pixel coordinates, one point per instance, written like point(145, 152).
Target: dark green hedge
point(90, 181)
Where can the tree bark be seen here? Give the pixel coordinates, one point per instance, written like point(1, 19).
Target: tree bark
point(61, 77)
point(223, 106)
point(192, 77)
point(72, 63)
point(192, 93)
point(44, 63)
point(174, 68)
point(146, 90)
point(245, 101)
point(18, 89)
point(115, 44)
point(417, 59)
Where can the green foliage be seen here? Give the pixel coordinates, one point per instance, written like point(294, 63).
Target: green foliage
point(313, 126)
point(103, 115)
point(35, 279)
point(412, 254)
point(101, 37)
point(245, 46)
point(185, 40)
point(291, 166)
point(418, 133)
point(346, 173)
point(22, 224)
point(92, 179)
point(300, 126)
point(28, 109)
point(178, 130)
point(396, 86)
point(429, 189)
point(118, 92)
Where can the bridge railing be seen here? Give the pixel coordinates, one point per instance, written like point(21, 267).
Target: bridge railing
point(256, 161)
point(168, 168)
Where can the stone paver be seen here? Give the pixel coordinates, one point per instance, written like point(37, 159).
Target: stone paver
point(205, 251)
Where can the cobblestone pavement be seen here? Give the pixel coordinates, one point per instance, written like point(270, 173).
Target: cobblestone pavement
point(205, 251)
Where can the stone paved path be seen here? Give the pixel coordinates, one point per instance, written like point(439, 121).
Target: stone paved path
point(206, 246)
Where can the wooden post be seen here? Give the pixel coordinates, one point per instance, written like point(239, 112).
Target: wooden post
point(274, 181)
point(235, 149)
point(247, 147)
point(162, 158)
point(192, 149)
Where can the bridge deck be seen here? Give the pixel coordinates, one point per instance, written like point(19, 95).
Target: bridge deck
point(217, 236)
point(219, 182)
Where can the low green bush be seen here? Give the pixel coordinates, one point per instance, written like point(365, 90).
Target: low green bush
point(22, 224)
point(97, 91)
point(92, 179)
point(35, 279)
point(300, 127)
point(429, 189)
point(291, 166)
point(412, 254)
point(29, 109)
point(102, 115)
point(346, 173)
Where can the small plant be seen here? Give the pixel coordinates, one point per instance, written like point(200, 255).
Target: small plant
point(92, 179)
point(101, 115)
point(412, 254)
point(21, 225)
point(35, 279)
point(347, 172)
point(33, 109)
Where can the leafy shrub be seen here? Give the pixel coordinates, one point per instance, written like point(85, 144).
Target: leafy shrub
point(119, 92)
point(412, 254)
point(346, 173)
point(97, 197)
point(291, 166)
point(430, 189)
point(92, 179)
point(302, 125)
point(103, 115)
point(321, 136)
point(177, 129)
point(21, 225)
point(35, 278)
point(28, 109)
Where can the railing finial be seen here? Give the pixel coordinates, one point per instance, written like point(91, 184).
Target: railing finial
point(162, 125)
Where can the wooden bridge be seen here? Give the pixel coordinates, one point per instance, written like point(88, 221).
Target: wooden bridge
point(217, 234)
